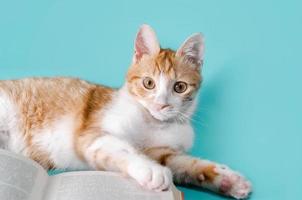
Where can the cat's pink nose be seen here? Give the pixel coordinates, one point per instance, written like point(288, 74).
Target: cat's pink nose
point(159, 107)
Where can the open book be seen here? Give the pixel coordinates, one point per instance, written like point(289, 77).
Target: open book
point(24, 179)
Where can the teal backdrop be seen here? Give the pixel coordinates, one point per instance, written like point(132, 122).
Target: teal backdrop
point(250, 112)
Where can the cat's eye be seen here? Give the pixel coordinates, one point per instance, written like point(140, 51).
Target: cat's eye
point(180, 87)
point(148, 83)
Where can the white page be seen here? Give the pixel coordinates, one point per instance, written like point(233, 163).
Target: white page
point(96, 185)
point(20, 178)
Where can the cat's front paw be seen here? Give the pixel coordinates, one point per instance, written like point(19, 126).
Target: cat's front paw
point(232, 183)
point(150, 175)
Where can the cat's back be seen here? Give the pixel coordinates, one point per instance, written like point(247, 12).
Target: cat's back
point(47, 88)
point(36, 101)
point(57, 94)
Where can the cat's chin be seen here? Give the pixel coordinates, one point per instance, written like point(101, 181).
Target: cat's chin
point(160, 116)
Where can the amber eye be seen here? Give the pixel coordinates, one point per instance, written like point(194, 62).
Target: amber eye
point(148, 83)
point(180, 87)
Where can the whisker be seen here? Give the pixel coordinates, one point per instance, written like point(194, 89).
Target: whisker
point(186, 117)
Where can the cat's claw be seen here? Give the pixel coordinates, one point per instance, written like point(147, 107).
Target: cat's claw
point(232, 183)
point(151, 175)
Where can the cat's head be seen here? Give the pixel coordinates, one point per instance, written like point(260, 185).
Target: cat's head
point(164, 81)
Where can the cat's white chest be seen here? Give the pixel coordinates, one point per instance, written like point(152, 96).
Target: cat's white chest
point(177, 136)
point(126, 121)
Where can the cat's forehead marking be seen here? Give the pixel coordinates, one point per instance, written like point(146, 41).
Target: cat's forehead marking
point(165, 63)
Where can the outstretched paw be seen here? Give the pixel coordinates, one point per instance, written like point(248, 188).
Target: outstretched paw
point(231, 183)
point(220, 178)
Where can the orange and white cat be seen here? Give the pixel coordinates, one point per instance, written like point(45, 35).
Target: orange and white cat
point(142, 129)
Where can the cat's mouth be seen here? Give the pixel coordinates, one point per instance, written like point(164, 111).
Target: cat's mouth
point(157, 115)
point(165, 115)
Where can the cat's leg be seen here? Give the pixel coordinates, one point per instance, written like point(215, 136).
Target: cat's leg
point(203, 173)
point(110, 153)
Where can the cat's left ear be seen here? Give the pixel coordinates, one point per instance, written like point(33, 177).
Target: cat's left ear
point(146, 43)
point(192, 50)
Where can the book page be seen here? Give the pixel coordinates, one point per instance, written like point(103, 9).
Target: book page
point(96, 185)
point(178, 195)
point(20, 178)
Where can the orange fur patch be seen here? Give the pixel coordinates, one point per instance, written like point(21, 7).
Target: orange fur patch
point(209, 173)
point(161, 154)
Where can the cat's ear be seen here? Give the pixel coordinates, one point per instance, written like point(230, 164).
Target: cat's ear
point(192, 50)
point(145, 43)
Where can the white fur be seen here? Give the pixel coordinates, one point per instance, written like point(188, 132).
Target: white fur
point(10, 138)
point(149, 174)
point(162, 93)
point(58, 141)
point(125, 119)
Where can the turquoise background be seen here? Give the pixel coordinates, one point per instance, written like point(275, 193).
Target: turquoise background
point(249, 115)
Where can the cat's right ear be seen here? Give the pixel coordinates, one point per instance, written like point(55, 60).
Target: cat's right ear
point(192, 50)
point(146, 43)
